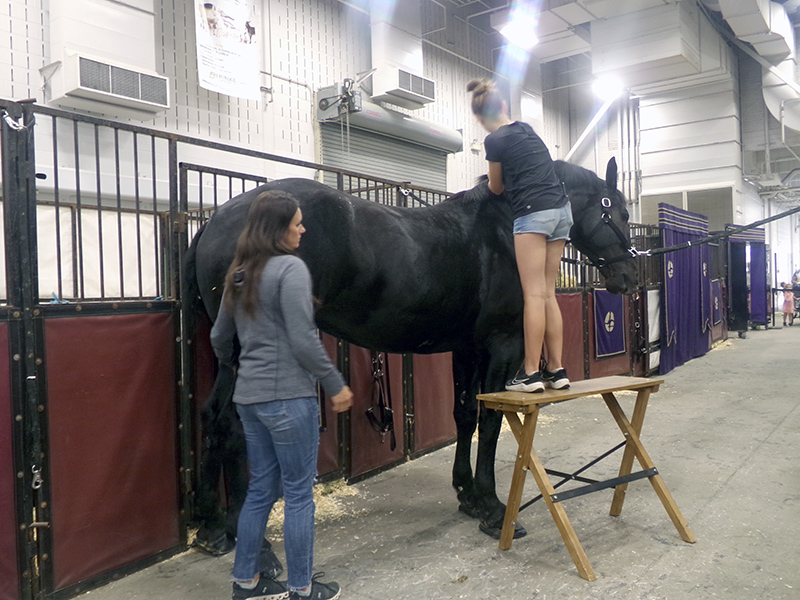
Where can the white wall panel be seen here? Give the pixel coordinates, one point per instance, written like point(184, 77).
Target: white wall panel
point(680, 160)
point(748, 207)
point(781, 240)
point(23, 38)
point(690, 138)
point(694, 105)
point(307, 44)
point(452, 109)
point(689, 180)
point(687, 135)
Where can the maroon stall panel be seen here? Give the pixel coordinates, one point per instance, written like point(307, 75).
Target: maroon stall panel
point(9, 581)
point(369, 450)
point(612, 365)
point(433, 401)
point(328, 458)
point(111, 386)
point(574, 344)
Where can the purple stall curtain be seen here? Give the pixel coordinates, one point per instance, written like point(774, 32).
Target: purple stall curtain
point(686, 306)
point(609, 324)
point(758, 283)
point(759, 292)
point(716, 302)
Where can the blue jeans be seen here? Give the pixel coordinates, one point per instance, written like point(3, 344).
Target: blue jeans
point(282, 441)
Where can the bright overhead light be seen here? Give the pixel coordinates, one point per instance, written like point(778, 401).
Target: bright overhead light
point(520, 29)
point(607, 87)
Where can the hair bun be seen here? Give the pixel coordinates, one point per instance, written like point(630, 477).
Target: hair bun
point(477, 85)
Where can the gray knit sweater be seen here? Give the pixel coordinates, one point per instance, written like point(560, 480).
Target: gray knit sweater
point(281, 354)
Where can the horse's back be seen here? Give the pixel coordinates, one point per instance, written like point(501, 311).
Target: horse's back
point(389, 278)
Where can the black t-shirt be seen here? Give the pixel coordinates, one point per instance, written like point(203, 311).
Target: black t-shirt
point(529, 179)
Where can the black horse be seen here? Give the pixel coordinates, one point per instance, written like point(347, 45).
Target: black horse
point(410, 280)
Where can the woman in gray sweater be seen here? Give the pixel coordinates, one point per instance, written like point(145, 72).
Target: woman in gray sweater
point(267, 304)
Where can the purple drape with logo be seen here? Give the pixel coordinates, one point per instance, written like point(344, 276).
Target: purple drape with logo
point(609, 324)
point(716, 302)
point(686, 312)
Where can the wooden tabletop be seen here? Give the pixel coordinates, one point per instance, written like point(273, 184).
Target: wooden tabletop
point(588, 387)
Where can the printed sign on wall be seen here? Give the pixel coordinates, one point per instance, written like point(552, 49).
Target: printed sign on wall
point(228, 57)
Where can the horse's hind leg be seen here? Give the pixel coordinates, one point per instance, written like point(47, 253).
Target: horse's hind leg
point(465, 412)
point(224, 453)
point(217, 533)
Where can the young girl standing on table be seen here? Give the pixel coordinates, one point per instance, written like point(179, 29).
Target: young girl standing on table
point(520, 167)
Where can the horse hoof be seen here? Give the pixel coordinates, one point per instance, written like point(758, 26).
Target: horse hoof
point(214, 544)
point(494, 530)
point(268, 563)
point(470, 511)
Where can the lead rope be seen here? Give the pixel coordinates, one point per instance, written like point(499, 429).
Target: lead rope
point(718, 236)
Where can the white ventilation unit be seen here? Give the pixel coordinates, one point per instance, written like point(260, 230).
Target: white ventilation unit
point(82, 78)
point(400, 87)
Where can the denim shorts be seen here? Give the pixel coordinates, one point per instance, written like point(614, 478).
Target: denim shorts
point(555, 223)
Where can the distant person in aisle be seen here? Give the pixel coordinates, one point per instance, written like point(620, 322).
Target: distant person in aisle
point(788, 304)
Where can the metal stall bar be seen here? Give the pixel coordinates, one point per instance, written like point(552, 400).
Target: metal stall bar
point(25, 345)
point(99, 204)
point(59, 269)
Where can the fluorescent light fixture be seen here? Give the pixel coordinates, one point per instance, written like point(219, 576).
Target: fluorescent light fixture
point(607, 87)
point(520, 29)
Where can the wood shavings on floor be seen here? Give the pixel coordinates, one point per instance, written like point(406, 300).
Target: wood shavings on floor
point(329, 499)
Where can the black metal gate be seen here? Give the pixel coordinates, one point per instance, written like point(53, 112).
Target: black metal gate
point(108, 312)
point(98, 215)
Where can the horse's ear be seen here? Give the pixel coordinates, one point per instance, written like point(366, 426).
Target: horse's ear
point(611, 174)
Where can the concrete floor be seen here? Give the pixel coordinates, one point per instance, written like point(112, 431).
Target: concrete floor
point(724, 432)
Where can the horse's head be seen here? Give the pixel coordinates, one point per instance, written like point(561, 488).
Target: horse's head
point(601, 224)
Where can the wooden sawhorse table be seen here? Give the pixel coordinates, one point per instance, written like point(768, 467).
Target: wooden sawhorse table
point(514, 403)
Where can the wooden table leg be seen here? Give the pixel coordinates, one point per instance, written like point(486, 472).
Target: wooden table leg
point(633, 442)
point(560, 517)
point(524, 434)
point(626, 465)
point(528, 459)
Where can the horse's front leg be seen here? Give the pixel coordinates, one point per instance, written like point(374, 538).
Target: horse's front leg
point(465, 413)
point(502, 364)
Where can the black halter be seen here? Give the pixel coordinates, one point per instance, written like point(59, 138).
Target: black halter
point(605, 219)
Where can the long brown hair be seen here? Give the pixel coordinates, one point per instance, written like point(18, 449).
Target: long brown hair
point(263, 237)
point(486, 98)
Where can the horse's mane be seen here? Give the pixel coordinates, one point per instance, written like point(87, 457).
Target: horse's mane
point(576, 177)
point(479, 192)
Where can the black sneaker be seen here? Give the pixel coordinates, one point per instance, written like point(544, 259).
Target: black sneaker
point(319, 590)
point(266, 589)
point(556, 379)
point(525, 383)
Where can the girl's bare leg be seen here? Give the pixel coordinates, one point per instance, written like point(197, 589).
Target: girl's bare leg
point(554, 327)
point(531, 253)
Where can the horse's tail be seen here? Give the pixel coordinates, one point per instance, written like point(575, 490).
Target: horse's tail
point(190, 294)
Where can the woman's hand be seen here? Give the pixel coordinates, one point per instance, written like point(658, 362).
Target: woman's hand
point(343, 400)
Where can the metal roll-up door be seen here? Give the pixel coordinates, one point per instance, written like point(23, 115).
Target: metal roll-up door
point(382, 156)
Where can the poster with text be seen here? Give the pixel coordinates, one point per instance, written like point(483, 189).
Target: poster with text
point(228, 56)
